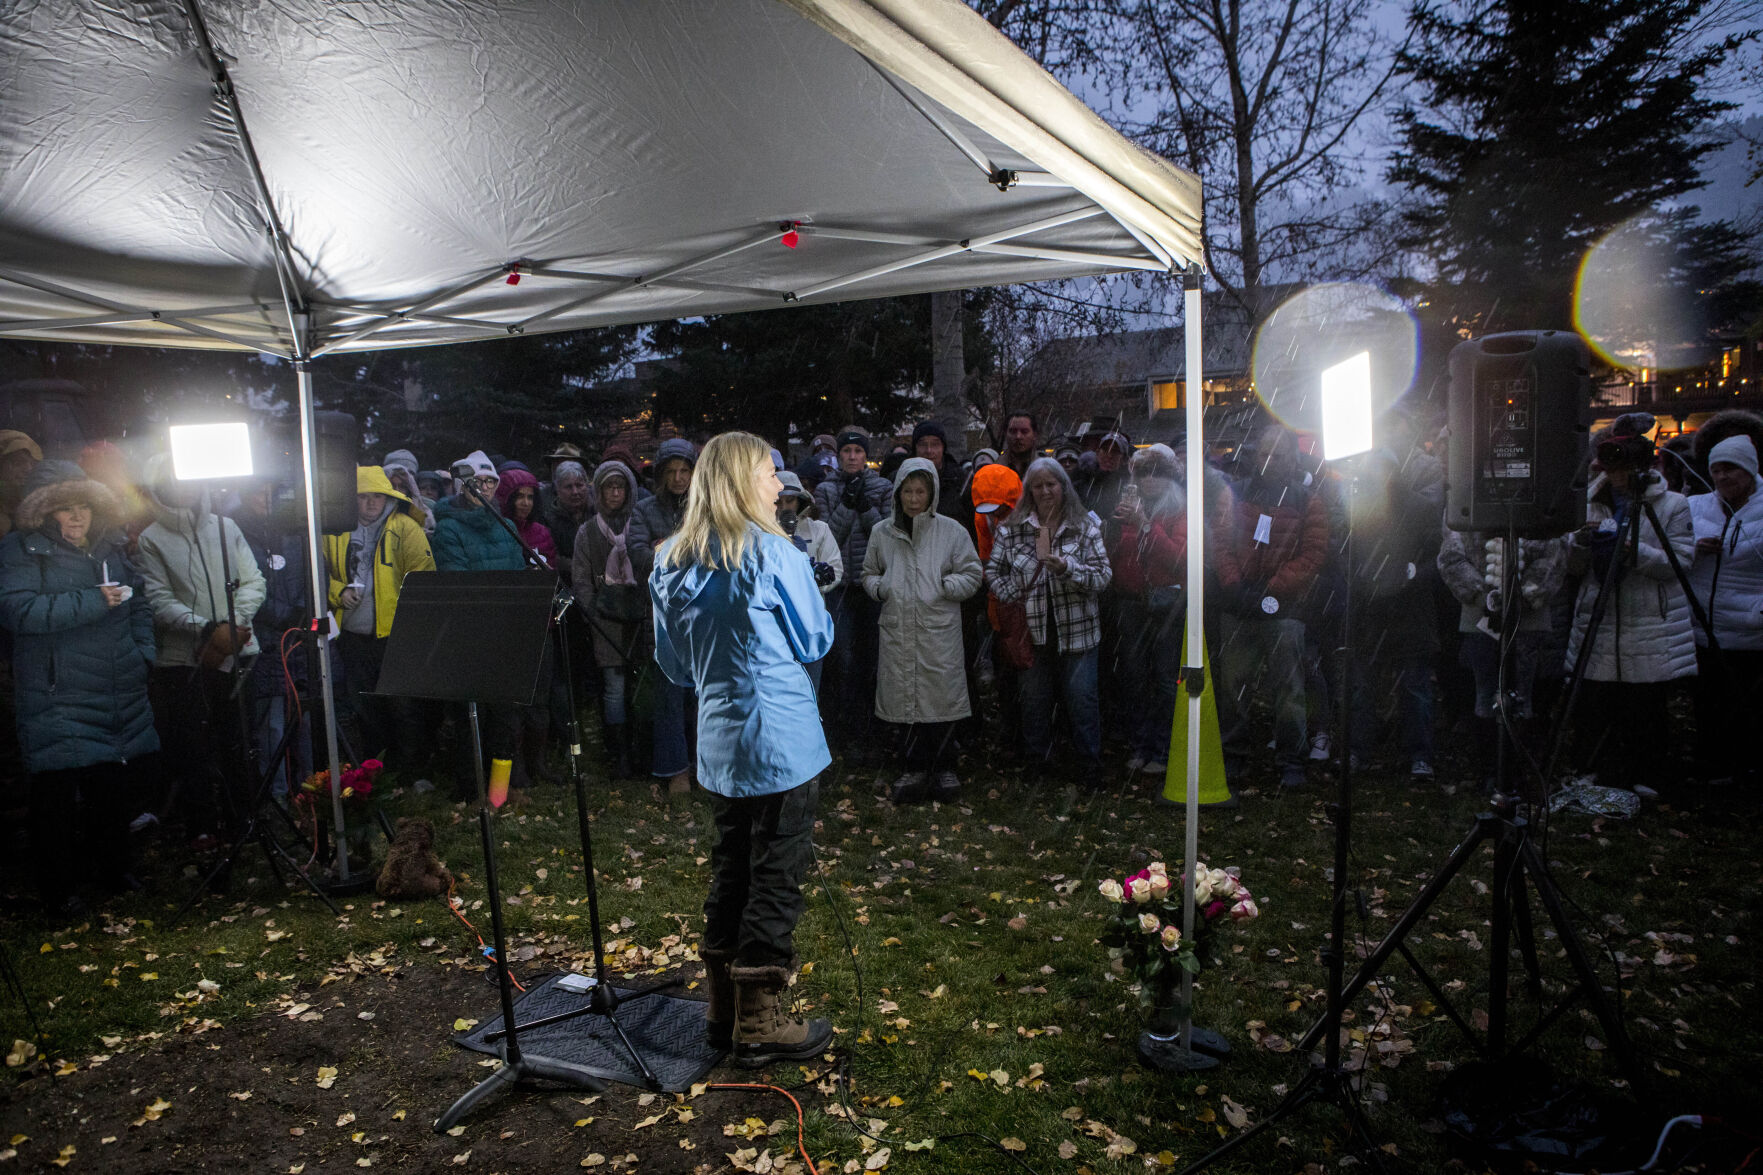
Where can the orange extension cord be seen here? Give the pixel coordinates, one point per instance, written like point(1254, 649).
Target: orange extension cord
point(801, 1143)
point(484, 948)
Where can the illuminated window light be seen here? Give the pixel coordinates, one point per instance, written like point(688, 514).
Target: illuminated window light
point(202, 452)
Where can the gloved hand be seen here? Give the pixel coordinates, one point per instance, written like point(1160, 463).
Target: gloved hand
point(854, 496)
point(823, 573)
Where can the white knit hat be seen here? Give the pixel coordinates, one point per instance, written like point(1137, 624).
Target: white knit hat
point(1739, 451)
point(474, 465)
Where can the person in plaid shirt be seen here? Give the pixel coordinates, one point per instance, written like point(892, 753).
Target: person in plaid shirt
point(1049, 555)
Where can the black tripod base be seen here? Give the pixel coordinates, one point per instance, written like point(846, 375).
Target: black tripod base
point(511, 1074)
point(1319, 1085)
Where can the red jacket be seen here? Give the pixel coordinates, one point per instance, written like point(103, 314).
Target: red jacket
point(1154, 557)
point(1291, 558)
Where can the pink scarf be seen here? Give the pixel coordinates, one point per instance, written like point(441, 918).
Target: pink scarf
point(618, 560)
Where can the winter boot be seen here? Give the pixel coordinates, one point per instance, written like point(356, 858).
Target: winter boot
point(719, 1014)
point(764, 1030)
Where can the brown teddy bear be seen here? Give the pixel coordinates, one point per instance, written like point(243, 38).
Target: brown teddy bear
point(412, 870)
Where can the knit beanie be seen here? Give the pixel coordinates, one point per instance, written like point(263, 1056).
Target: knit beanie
point(476, 464)
point(854, 436)
point(929, 428)
point(1737, 451)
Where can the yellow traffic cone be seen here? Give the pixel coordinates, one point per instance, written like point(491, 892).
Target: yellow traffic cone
point(1213, 788)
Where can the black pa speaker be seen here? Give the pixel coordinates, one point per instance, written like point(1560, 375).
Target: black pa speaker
point(1519, 413)
point(338, 439)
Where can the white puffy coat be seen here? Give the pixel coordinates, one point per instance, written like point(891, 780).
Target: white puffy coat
point(1730, 584)
point(180, 562)
point(920, 569)
point(1645, 634)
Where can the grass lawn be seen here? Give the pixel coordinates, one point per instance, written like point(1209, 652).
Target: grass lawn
point(953, 947)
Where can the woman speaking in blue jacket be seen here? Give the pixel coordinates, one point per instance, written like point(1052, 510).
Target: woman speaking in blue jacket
point(737, 618)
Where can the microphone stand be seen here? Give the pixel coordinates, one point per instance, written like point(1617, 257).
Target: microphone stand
point(603, 999)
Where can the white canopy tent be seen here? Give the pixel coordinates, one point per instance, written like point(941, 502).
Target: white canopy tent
point(302, 177)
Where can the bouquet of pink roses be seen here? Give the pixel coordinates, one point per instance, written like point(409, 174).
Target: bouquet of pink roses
point(1144, 934)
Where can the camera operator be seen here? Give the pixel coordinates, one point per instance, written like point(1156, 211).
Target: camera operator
point(1727, 576)
point(811, 536)
point(1645, 639)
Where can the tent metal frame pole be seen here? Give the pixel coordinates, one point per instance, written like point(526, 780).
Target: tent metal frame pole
point(1162, 264)
point(680, 283)
point(651, 279)
point(396, 316)
point(1143, 238)
point(1193, 673)
point(938, 254)
point(320, 587)
point(1052, 253)
point(300, 328)
point(281, 249)
point(118, 318)
point(178, 320)
point(1002, 178)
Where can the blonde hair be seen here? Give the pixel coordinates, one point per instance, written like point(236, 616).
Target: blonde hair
point(723, 502)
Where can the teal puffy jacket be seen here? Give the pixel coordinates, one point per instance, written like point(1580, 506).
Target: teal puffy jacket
point(473, 540)
point(79, 667)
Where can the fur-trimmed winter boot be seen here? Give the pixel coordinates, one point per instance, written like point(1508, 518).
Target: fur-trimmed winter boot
point(764, 1029)
point(719, 1014)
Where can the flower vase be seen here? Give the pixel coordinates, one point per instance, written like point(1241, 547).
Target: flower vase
point(358, 837)
point(360, 840)
point(1160, 1044)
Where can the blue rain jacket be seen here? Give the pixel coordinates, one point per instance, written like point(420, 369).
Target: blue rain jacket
point(741, 639)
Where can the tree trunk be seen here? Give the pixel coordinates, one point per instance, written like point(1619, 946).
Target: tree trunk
point(948, 370)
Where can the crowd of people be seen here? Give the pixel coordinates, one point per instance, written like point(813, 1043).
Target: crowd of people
point(1027, 602)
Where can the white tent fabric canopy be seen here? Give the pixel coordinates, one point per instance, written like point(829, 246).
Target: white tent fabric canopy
point(303, 177)
point(630, 161)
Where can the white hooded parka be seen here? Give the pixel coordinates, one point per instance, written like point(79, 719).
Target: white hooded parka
point(920, 569)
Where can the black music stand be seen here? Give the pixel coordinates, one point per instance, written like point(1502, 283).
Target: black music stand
point(479, 636)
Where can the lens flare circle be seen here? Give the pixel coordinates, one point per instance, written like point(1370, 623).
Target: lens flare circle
point(1325, 325)
point(1626, 306)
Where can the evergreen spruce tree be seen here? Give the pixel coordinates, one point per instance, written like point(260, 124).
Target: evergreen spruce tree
point(519, 397)
point(1545, 125)
point(809, 369)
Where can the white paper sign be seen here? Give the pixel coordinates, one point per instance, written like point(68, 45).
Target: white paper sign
point(1264, 529)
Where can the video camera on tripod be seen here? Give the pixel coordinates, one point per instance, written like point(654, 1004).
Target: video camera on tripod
point(1629, 446)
